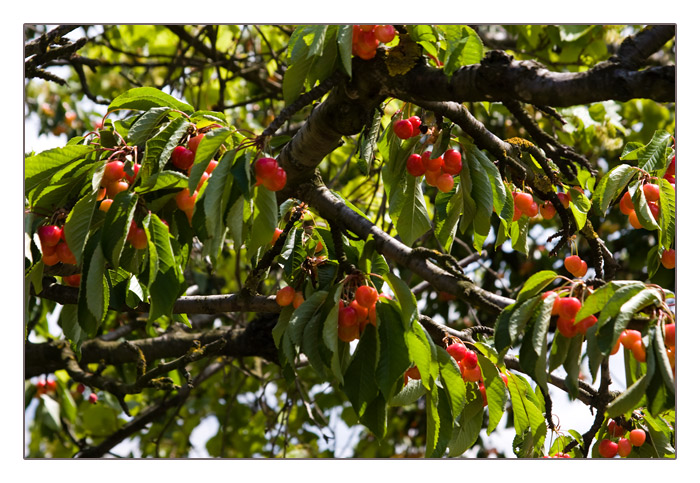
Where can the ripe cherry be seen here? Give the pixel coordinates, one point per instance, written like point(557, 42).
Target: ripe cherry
point(265, 168)
point(651, 192)
point(114, 170)
point(523, 201)
point(366, 296)
point(471, 375)
point(193, 143)
point(607, 448)
point(452, 162)
point(547, 210)
point(670, 335)
point(49, 235)
point(182, 158)
point(64, 253)
point(298, 300)
point(413, 373)
point(361, 311)
point(276, 235)
point(624, 447)
point(482, 390)
point(565, 199)
point(668, 258)
point(385, 33)
point(116, 187)
point(655, 210)
point(277, 181)
point(573, 263)
point(184, 200)
point(637, 437)
point(131, 178)
point(105, 204)
point(414, 165)
point(403, 129)
point(555, 305)
point(72, 280)
point(629, 336)
point(615, 430)
point(470, 360)
point(445, 182)
point(92, 399)
point(639, 351)
point(566, 327)
point(432, 164)
point(634, 220)
point(457, 351)
point(415, 123)
point(584, 324)
point(431, 177)
point(139, 240)
point(348, 333)
point(285, 296)
point(626, 205)
point(50, 257)
point(532, 210)
point(211, 166)
point(569, 307)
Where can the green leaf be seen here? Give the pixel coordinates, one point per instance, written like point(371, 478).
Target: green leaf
point(42, 166)
point(502, 330)
point(527, 416)
point(433, 423)
point(302, 315)
point(663, 366)
point(579, 206)
point(533, 353)
point(667, 219)
point(520, 317)
point(345, 47)
point(294, 79)
point(393, 356)
point(611, 186)
point(407, 301)
point(207, 148)
point(78, 223)
point(117, 224)
point(374, 417)
point(282, 324)
point(420, 350)
point(611, 332)
point(264, 220)
point(536, 283)
point(466, 434)
point(495, 392)
point(596, 301)
point(159, 148)
point(452, 381)
point(410, 393)
point(572, 364)
point(413, 220)
point(359, 382)
point(96, 285)
point(629, 399)
point(653, 155)
point(142, 128)
point(145, 98)
point(463, 45)
point(162, 180)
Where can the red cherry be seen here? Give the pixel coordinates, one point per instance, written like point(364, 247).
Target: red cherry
point(523, 201)
point(624, 447)
point(482, 390)
point(72, 280)
point(668, 258)
point(414, 165)
point(92, 399)
point(298, 300)
point(50, 257)
point(51, 385)
point(135, 168)
point(639, 351)
point(193, 143)
point(670, 335)
point(516, 213)
point(64, 253)
point(403, 129)
point(49, 235)
point(471, 375)
point(655, 210)
point(277, 181)
point(413, 373)
point(202, 180)
point(634, 220)
point(114, 171)
point(366, 296)
point(415, 123)
point(615, 430)
point(573, 263)
point(385, 33)
point(457, 351)
point(584, 324)
point(569, 307)
point(565, 199)
point(265, 167)
point(285, 296)
point(566, 327)
point(432, 164)
point(367, 28)
point(629, 336)
point(651, 192)
point(532, 210)
point(347, 316)
point(607, 448)
point(182, 158)
point(637, 437)
point(445, 182)
point(547, 210)
point(431, 177)
point(276, 235)
point(116, 187)
point(582, 270)
point(211, 166)
point(184, 200)
point(452, 161)
point(139, 240)
point(626, 205)
point(470, 360)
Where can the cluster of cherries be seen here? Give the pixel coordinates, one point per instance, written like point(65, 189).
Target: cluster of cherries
point(366, 39)
point(439, 172)
point(354, 317)
point(287, 295)
point(566, 309)
point(183, 158)
point(619, 442)
point(468, 363)
point(575, 265)
point(525, 204)
point(54, 249)
point(270, 174)
point(115, 180)
point(45, 387)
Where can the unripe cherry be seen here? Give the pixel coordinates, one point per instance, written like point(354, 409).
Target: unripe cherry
point(432, 164)
point(116, 187)
point(482, 390)
point(634, 220)
point(584, 324)
point(72, 280)
point(413, 373)
point(276, 235)
point(184, 200)
point(64, 253)
point(639, 351)
point(139, 240)
point(471, 375)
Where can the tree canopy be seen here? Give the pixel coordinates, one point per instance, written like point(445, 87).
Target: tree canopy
point(423, 233)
